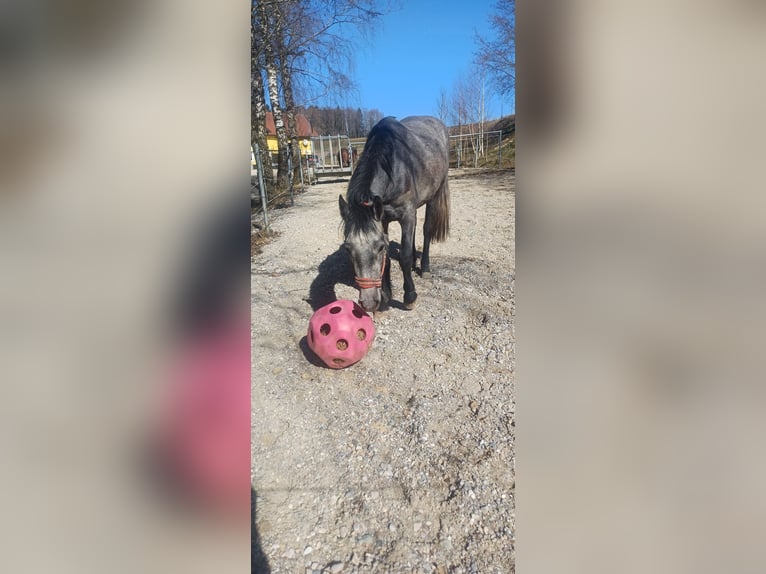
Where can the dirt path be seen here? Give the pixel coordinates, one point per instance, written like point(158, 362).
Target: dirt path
point(404, 461)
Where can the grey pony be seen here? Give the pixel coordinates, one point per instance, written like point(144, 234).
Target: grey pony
point(402, 167)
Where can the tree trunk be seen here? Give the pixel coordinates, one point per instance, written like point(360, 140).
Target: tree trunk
point(279, 124)
point(258, 122)
point(258, 135)
point(286, 80)
point(267, 20)
point(292, 126)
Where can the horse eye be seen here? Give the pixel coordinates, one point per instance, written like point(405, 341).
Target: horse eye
point(382, 248)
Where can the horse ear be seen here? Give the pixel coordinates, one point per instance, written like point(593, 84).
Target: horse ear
point(377, 207)
point(343, 207)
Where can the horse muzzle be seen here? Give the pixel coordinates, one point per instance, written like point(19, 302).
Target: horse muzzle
point(369, 289)
point(369, 299)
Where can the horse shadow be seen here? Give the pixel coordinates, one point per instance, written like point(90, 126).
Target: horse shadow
point(259, 564)
point(393, 254)
point(310, 355)
point(336, 269)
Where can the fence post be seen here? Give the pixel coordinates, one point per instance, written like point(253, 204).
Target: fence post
point(300, 165)
point(261, 186)
point(290, 171)
point(500, 151)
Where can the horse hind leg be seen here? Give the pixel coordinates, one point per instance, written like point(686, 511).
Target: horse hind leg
point(414, 248)
point(406, 259)
point(436, 225)
point(385, 295)
point(425, 261)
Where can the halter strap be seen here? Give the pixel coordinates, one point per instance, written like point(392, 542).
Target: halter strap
point(369, 283)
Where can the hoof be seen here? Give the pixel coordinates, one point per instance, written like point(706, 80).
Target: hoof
point(425, 274)
point(409, 300)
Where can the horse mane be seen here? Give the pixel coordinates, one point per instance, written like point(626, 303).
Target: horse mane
point(386, 140)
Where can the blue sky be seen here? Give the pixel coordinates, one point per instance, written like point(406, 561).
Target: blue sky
point(416, 51)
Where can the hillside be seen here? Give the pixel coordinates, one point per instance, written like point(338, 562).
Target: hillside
point(506, 124)
point(503, 158)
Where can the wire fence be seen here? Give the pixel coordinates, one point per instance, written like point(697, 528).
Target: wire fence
point(336, 156)
point(480, 149)
point(266, 196)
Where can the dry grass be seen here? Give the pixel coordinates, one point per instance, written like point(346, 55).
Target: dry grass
point(259, 238)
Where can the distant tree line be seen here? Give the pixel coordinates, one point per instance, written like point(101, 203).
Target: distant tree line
point(302, 51)
point(354, 123)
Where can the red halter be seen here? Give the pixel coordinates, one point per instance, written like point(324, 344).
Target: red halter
point(368, 283)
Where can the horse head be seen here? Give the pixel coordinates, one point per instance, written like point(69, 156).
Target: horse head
point(367, 244)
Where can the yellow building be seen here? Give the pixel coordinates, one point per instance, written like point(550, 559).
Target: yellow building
point(303, 127)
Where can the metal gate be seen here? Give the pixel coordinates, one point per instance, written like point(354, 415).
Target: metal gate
point(332, 156)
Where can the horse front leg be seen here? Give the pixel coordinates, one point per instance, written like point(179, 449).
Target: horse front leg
point(407, 260)
point(414, 249)
point(385, 287)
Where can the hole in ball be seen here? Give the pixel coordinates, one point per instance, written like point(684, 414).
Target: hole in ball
point(357, 311)
point(325, 329)
point(342, 344)
point(361, 334)
point(335, 310)
point(339, 361)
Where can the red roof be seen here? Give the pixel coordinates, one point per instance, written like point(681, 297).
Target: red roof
point(303, 125)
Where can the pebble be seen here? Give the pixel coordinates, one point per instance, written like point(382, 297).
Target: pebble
point(416, 526)
point(308, 550)
point(334, 567)
point(367, 539)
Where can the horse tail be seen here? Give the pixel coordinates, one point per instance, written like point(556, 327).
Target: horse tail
point(440, 213)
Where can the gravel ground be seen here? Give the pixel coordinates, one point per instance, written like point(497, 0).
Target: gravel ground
point(403, 462)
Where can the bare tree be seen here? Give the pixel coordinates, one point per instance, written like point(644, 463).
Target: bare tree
point(458, 113)
point(324, 61)
point(285, 57)
point(269, 21)
point(498, 53)
point(466, 110)
point(442, 105)
point(258, 98)
point(371, 117)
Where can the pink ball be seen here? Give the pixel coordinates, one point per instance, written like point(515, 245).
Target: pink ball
point(340, 333)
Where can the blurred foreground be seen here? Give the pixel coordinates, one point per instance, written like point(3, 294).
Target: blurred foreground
point(640, 289)
point(123, 303)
